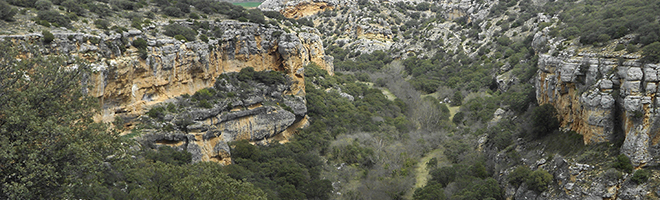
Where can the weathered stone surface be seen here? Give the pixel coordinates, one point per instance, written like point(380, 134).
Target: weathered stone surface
point(127, 83)
point(634, 74)
point(588, 107)
point(606, 84)
point(299, 8)
point(257, 127)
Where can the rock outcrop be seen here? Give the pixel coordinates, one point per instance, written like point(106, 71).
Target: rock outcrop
point(300, 8)
point(604, 96)
point(241, 110)
point(127, 84)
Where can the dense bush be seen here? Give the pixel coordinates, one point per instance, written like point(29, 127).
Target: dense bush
point(519, 175)
point(536, 180)
point(472, 181)
point(364, 62)
point(640, 176)
point(651, 52)
point(43, 5)
point(54, 17)
point(140, 43)
point(353, 154)
point(176, 29)
point(598, 22)
point(432, 192)
point(623, 163)
point(173, 11)
point(274, 15)
point(74, 7)
point(48, 36)
point(266, 77)
point(544, 120)
point(169, 155)
point(539, 180)
point(282, 171)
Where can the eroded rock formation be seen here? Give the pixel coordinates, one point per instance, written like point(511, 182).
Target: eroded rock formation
point(604, 96)
point(300, 8)
point(128, 84)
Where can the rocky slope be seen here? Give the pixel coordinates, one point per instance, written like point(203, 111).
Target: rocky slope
point(600, 93)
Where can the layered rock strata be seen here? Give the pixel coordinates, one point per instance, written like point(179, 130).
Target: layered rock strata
point(300, 8)
point(605, 97)
point(127, 84)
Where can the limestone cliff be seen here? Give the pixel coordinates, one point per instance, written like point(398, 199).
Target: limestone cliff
point(603, 95)
point(300, 8)
point(127, 84)
point(236, 110)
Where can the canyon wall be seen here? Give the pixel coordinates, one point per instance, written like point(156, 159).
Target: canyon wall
point(604, 95)
point(127, 84)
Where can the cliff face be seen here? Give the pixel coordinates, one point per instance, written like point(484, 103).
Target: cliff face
point(603, 95)
point(127, 84)
point(300, 8)
point(239, 110)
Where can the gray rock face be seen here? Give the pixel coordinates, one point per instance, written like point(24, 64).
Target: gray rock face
point(587, 98)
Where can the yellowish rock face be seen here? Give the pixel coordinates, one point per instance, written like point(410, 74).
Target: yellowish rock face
point(305, 9)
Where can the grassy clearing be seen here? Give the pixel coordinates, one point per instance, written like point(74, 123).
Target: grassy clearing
point(422, 173)
point(452, 111)
point(248, 4)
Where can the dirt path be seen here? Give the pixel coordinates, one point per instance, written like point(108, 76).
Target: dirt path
point(422, 173)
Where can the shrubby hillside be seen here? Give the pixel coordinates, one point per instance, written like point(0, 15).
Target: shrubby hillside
point(511, 99)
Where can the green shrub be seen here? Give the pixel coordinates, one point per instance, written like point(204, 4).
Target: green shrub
point(143, 53)
point(457, 99)
point(173, 11)
point(125, 4)
point(54, 17)
point(43, 5)
point(519, 175)
point(193, 16)
point(157, 112)
point(619, 47)
point(173, 30)
point(74, 7)
point(203, 38)
point(431, 192)
point(544, 120)
point(539, 180)
point(640, 176)
point(204, 104)
point(432, 163)
point(48, 37)
point(458, 118)
point(204, 94)
point(651, 52)
point(7, 12)
point(119, 121)
point(623, 163)
point(169, 155)
point(140, 43)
